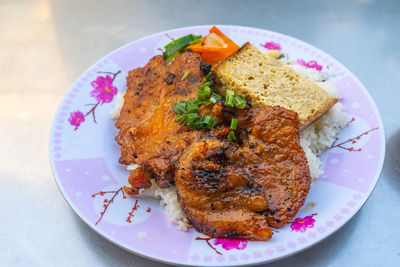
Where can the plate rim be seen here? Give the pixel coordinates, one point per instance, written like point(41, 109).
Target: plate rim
point(367, 194)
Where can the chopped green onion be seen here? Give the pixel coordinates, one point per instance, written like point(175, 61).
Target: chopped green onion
point(174, 48)
point(208, 91)
point(204, 93)
point(230, 99)
point(193, 101)
point(185, 75)
point(229, 93)
point(180, 107)
point(192, 117)
point(192, 108)
point(234, 123)
point(210, 123)
point(231, 136)
point(205, 78)
point(206, 102)
point(215, 97)
point(230, 102)
point(205, 84)
point(240, 102)
point(195, 125)
point(181, 119)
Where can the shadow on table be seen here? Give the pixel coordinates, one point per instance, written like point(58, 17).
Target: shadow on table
point(392, 160)
point(113, 255)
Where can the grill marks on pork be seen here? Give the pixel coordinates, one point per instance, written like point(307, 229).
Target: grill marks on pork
point(218, 197)
point(228, 189)
point(145, 88)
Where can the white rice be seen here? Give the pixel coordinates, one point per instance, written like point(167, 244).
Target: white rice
point(119, 102)
point(169, 201)
point(318, 136)
point(314, 139)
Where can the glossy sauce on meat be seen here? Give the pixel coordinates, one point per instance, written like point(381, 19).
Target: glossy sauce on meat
point(218, 196)
point(149, 135)
point(238, 189)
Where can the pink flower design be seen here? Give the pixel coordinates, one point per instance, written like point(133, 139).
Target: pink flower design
point(301, 224)
point(310, 65)
point(271, 46)
point(76, 118)
point(104, 90)
point(229, 243)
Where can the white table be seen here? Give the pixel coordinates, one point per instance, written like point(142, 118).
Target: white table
point(46, 45)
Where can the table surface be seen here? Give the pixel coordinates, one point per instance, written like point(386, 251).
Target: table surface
point(46, 45)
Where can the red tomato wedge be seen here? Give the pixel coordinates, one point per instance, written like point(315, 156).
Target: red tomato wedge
point(215, 46)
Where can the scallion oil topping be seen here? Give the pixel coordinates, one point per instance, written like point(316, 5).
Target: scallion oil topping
point(187, 112)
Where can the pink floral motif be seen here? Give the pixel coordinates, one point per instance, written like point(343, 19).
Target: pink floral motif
point(271, 46)
point(351, 141)
point(229, 243)
point(301, 224)
point(76, 118)
point(310, 65)
point(104, 90)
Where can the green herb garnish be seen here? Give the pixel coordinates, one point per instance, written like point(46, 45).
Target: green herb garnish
point(192, 117)
point(204, 93)
point(195, 125)
point(185, 75)
point(206, 102)
point(234, 123)
point(205, 78)
point(231, 136)
point(193, 101)
point(230, 99)
point(205, 84)
point(174, 48)
point(209, 122)
point(192, 108)
point(180, 107)
point(216, 97)
point(240, 102)
point(188, 111)
point(181, 119)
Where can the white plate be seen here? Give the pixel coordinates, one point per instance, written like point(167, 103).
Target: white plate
point(84, 159)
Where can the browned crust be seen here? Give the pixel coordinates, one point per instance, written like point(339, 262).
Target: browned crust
point(219, 64)
point(332, 101)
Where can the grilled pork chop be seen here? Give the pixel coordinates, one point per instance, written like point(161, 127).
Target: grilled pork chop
point(217, 195)
point(149, 135)
point(145, 86)
point(238, 189)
